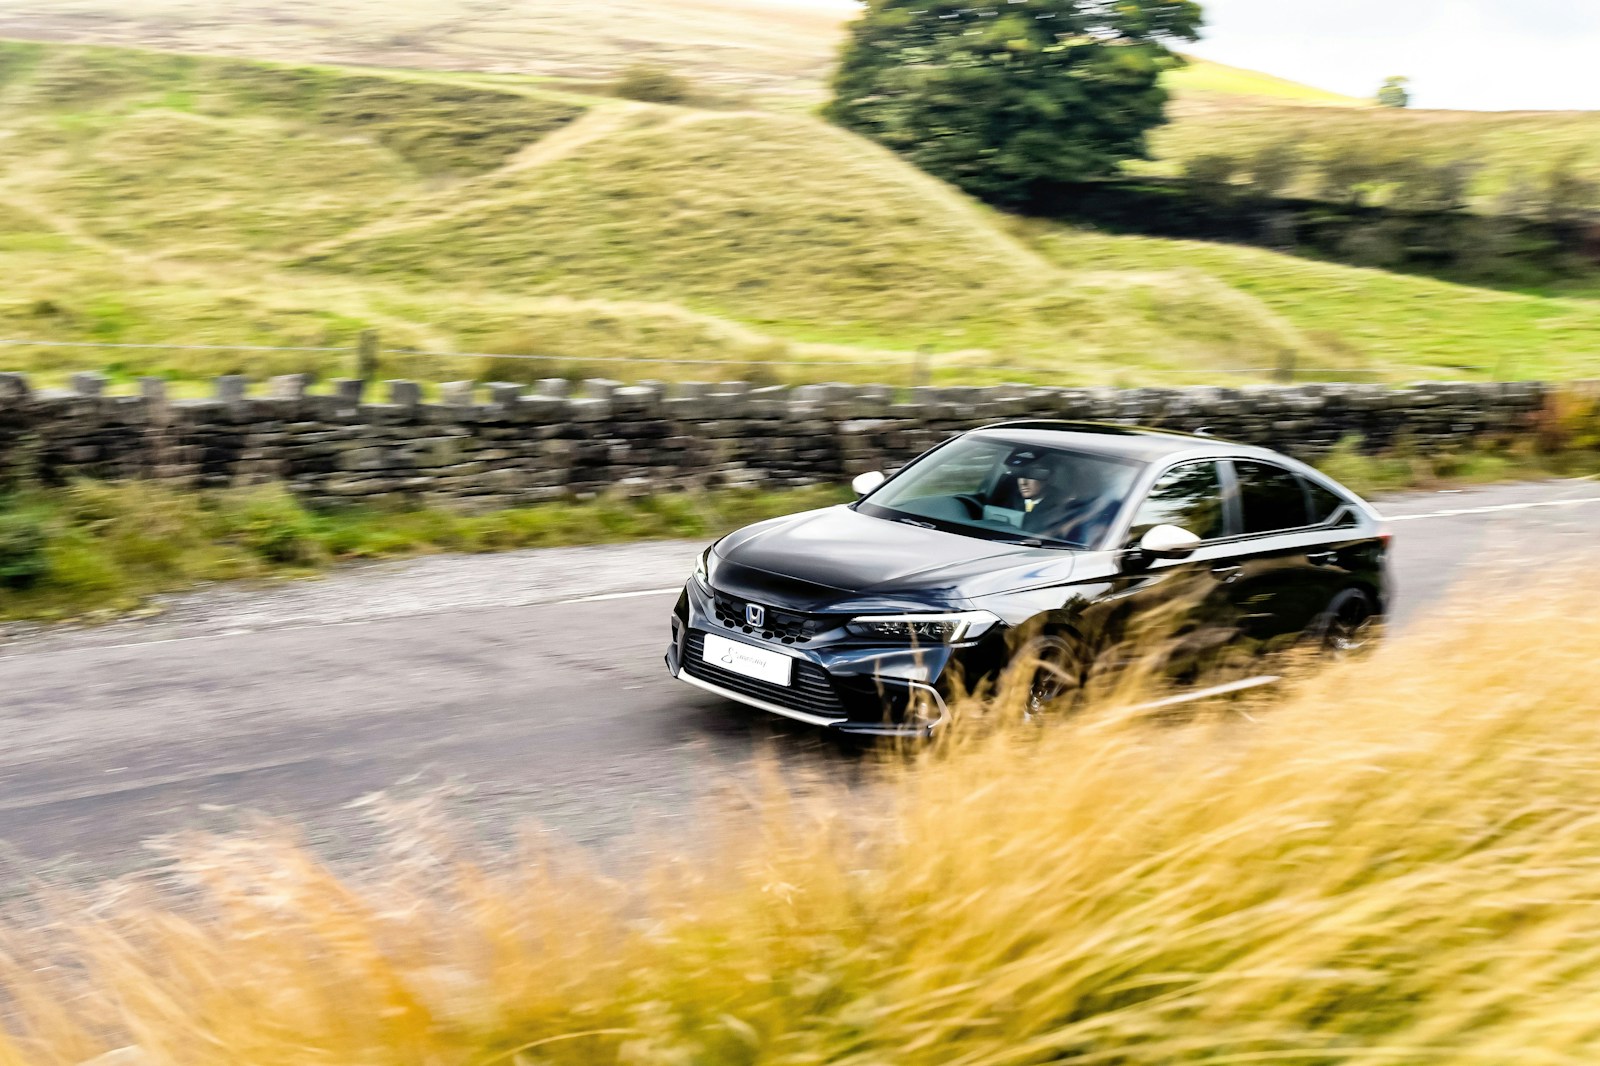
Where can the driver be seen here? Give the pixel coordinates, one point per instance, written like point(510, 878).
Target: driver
point(1033, 483)
point(1039, 506)
point(1063, 502)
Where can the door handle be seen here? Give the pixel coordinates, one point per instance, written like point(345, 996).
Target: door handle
point(1322, 558)
point(1228, 574)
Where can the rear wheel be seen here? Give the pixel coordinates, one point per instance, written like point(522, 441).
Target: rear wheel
point(1350, 626)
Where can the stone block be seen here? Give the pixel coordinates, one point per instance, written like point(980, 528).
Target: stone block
point(348, 390)
point(290, 387)
point(635, 400)
point(89, 383)
point(589, 409)
point(15, 388)
point(505, 393)
point(542, 409)
point(457, 393)
point(403, 393)
point(231, 388)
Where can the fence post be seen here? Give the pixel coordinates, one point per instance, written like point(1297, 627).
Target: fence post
point(919, 367)
point(1285, 372)
point(367, 355)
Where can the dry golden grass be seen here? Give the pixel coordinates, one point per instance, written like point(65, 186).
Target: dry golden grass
point(1396, 864)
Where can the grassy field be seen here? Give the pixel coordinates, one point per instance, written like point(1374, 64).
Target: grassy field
point(149, 197)
point(1367, 321)
point(1202, 80)
point(778, 50)
point(766, 46)
point(94, 551)
point(1500, 149)
point(1394, 863)
point(759, 46)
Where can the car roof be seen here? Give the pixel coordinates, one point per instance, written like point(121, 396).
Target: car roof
point(1134, 443)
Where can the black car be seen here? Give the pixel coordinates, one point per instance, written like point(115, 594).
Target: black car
point(1028, 541)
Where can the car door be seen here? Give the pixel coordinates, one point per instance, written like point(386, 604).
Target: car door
point(1176, 604)
point(1279, 580)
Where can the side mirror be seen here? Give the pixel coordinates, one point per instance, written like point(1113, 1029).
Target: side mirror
point(868, 482)
point(1168, 542)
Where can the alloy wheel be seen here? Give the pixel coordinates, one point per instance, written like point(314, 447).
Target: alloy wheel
point(1351, 627)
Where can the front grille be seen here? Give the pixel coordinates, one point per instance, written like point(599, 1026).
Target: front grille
point(811, 691)
point(785, 627)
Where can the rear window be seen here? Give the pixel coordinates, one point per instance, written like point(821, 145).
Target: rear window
point(1324, 503)
point(1271, 497)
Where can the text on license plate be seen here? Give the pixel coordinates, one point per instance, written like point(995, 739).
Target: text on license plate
point(759, 663)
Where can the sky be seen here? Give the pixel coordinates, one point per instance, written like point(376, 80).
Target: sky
point(1480, 55)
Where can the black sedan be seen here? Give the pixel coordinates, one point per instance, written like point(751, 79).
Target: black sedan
point(1031, 542)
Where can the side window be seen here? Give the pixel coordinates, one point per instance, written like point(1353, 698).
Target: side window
point(1272, 498)
point(1188, 496)
point(1325, 504)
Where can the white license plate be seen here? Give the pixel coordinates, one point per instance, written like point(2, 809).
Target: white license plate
point(759, 663)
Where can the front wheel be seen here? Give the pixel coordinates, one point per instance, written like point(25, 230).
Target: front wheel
point(1350, 625)
point(1048, 671)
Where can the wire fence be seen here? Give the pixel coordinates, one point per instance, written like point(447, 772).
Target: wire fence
point(366, 359)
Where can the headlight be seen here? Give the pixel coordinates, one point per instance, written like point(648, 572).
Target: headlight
point(923, 628)
point(702, 568)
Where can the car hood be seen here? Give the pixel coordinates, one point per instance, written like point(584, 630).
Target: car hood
point(840, 558)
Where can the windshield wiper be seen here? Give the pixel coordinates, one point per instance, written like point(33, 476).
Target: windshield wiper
point(919, 525)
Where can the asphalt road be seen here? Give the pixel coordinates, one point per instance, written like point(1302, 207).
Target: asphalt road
point(519, 688)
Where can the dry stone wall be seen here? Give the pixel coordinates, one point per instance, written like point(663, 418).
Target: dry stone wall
point(502, 445)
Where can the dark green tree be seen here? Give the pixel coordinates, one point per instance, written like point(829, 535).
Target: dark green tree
point(1005, 98)
point(1394, 92)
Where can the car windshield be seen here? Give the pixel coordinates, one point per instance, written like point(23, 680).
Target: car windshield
point(1010, 491)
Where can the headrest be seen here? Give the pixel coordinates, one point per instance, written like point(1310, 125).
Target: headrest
point(1029, 464)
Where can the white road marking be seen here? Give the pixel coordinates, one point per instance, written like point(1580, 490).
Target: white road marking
point(606, 597)
point(619, 596)
point(1491, 510)
point(365, 621)
point(1206, 693)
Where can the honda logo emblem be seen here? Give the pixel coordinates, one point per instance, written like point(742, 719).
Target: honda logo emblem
point(754, 615)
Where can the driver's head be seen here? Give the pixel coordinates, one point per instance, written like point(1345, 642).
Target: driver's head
point(1033, 481)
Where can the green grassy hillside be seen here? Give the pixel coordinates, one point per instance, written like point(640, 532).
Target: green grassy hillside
point(771, 51)
point(1499, 150)
point(150, 197)
point(1203, 79)
point(759, 45)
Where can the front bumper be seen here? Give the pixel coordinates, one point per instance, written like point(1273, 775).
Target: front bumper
point(845, 686)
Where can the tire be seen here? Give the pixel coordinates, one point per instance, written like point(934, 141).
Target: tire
point(1050, 666)
point(1349, 625)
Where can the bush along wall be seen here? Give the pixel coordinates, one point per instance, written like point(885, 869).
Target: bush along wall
point(509, 445)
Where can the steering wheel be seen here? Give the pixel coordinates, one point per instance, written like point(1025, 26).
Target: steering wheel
point(973, 503)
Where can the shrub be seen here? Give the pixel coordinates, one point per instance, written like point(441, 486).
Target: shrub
point(653, 85)
point(23, 543)
point(1570, 421)
point(272, 525)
